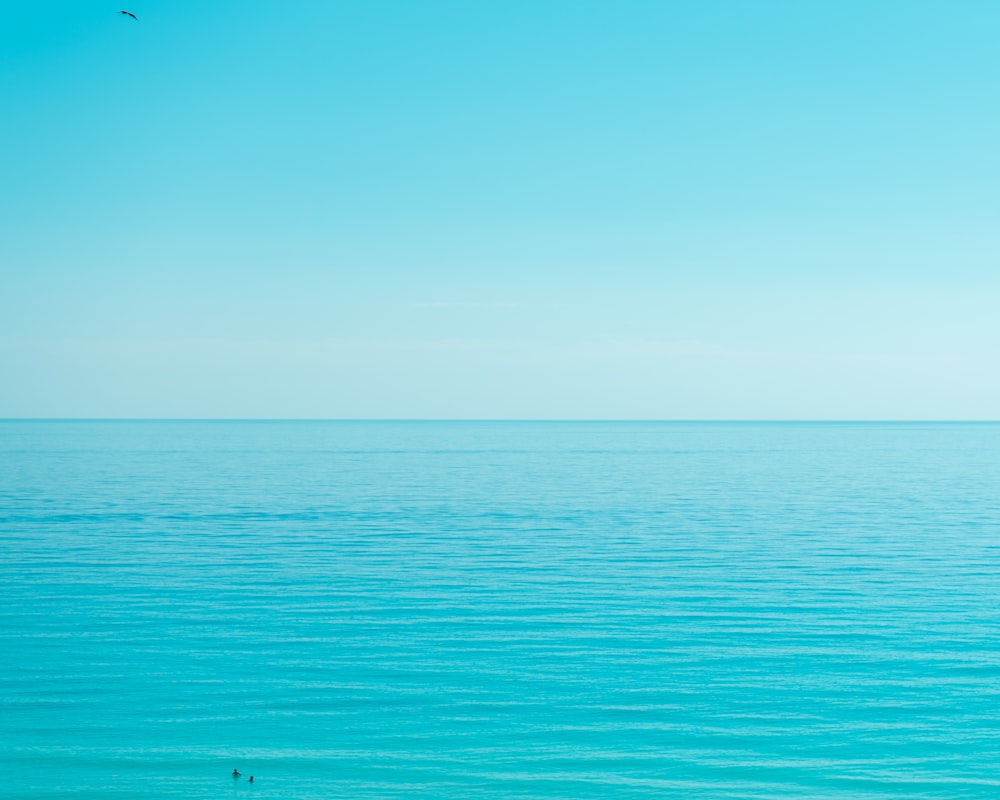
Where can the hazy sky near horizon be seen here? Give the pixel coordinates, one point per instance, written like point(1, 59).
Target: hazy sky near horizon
point(462, 209)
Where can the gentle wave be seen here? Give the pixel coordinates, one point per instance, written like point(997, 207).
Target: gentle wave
point(482, 610)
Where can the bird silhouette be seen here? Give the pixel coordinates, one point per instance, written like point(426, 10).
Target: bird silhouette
point(129, 14)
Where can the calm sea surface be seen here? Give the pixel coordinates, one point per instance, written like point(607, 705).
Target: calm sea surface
point(499, 610)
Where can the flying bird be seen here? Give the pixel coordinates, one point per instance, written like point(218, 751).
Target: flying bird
point(129, 14)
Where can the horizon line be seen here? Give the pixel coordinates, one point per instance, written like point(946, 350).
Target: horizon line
point(678, 420)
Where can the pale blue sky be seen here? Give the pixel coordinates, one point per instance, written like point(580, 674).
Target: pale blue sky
point(500, 210)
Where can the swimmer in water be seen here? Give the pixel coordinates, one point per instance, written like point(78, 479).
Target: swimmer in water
point(236, 773)
point(251, 779)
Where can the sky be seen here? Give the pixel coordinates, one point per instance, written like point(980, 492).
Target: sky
point(463, 209)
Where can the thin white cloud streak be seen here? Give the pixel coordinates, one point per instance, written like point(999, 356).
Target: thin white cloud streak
point(449, 304)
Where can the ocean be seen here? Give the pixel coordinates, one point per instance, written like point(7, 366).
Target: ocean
point(499, 610)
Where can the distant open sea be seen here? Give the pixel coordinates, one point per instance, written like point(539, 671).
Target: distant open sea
point(499, 610)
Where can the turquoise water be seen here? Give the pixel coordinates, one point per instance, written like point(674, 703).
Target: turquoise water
point(499, 610)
